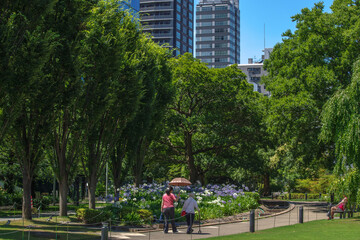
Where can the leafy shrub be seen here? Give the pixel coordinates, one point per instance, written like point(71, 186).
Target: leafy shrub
point(132, 218)
point(92, 216)
point(254, 195)
point(7, 199)
point(145, 215)
point(43, 202)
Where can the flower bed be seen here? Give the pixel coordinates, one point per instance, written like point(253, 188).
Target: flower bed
point(142, 205)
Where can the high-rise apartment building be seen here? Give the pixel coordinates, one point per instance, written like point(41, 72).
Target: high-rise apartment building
point(169, 22)
point(218, 32)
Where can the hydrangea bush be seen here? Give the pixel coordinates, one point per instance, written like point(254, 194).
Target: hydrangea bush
point(214, 200)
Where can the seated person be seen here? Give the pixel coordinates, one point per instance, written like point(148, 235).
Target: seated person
point(340, 207)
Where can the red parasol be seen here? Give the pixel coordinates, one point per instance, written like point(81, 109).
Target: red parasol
point(180, 182)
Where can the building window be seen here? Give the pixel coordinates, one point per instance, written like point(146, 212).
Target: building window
point(218, 53)
point(206, 39)
point(178, 35)
point(205, 45)
point(204, 54)
point(178, 8)
point(190, 33)
point(206, 31)
point(254, 70)
point(221, 23)
point(207, 16)
point(222, 15)
point(190, 16)
point(255, 79)
point(221, 8)
point(206, 24)
point(178, 26)
point(178, 16)
point(221, 59)
point(178, 45)
point(206, 9)
point(221, 37)
point(217, 30)
point(207, 60)
point(221, 45)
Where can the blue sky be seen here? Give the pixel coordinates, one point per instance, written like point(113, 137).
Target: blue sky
point(275, 14)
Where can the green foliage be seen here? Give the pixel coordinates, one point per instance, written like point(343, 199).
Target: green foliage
point(305, 70)
point(42, 202)
point(341, 122)
point(89, 216)
point(10, 199)
point(348, 185)
point(315, 185)
point(197, 134)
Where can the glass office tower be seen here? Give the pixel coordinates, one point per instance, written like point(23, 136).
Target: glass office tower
point(170, 22)
point(218, 32)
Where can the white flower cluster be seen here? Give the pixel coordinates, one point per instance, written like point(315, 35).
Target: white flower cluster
point(217, 202)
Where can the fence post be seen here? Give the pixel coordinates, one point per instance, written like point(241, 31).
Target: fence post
point(104, 231)
point(332, 197)
point(319, 196)
point(252, 221)
point(305, 196)
point(23, 232)
point(289, 195)
point(301, 214)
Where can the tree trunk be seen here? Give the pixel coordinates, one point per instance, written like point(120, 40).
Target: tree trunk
point(190, 157)
point(63, 192)
point(266, 184)
point(76, 191)
point(26, 204)
point(139, 158)
point(92, 188)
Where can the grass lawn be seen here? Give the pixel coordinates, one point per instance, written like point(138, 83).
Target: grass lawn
point(319, 230)
point(41, 229)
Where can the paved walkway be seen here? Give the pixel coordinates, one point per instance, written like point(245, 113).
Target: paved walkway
point(311, 212)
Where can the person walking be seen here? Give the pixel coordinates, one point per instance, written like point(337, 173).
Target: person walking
point(167, 207)
point(189, 207)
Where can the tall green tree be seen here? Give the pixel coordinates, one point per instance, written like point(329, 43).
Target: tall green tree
point(27, 91)
point(341, 123)
point(211, 120)
point(157, 93)
point(111, 89)
point(66, 20)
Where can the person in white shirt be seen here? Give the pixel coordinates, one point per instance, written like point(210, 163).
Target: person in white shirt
point(189, 207)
